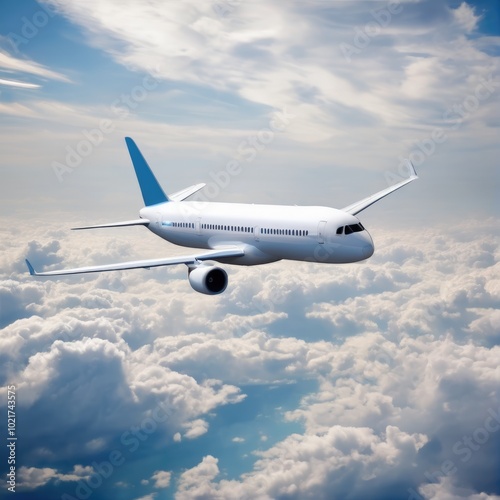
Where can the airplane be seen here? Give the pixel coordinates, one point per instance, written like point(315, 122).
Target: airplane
point(238, 233)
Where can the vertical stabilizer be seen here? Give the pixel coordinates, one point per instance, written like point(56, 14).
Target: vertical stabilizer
point(152, 193)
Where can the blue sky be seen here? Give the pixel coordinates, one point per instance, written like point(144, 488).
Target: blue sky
point(301, 380)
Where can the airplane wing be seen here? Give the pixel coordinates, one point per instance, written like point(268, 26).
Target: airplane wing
point(190, 259)
point(185, 193)
point(357, 207)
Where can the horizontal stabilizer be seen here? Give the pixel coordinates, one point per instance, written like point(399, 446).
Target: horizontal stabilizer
point(146, 264)
point(186, 193)
point(137, 222)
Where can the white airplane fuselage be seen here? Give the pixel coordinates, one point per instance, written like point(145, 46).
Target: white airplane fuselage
point(267, 233)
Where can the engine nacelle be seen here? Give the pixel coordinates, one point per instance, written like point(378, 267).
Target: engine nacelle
point(210, 280)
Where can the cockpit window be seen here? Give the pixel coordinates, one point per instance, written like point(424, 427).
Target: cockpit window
point(351, 228)
point(340, 230)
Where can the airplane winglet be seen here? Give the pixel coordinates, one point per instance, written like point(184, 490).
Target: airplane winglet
point(411, 168)
point(30, 268)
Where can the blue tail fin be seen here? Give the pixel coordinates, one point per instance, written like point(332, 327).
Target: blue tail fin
point(152, 192)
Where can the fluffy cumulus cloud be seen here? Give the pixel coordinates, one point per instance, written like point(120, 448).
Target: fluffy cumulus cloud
point(445, 490)
point(161, 479)
point(32, 477)
point(125, 392)
point(404, 358)
point(342, 461)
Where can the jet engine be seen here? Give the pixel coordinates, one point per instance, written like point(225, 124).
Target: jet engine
point(210, 280)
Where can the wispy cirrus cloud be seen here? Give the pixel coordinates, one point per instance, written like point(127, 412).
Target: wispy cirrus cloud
point(253, 52)
point(22, 85)
point(16, 65)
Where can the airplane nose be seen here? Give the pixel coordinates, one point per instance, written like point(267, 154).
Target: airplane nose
point(367, 248)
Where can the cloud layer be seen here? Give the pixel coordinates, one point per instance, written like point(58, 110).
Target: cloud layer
point(404, 353)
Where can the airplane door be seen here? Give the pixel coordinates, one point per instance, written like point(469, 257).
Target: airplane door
point(198, 226)
point(321, 231)
point(256, 233)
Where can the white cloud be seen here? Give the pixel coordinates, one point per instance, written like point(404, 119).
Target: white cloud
point(302, 465)
point(33, 477)
point(13, 64)
point(446, 490)
point(196, 482)
point(465, 16)
point(196, 428)
point(22, 85)
point(253, 53)
point(161, 478)
point(151, 496)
